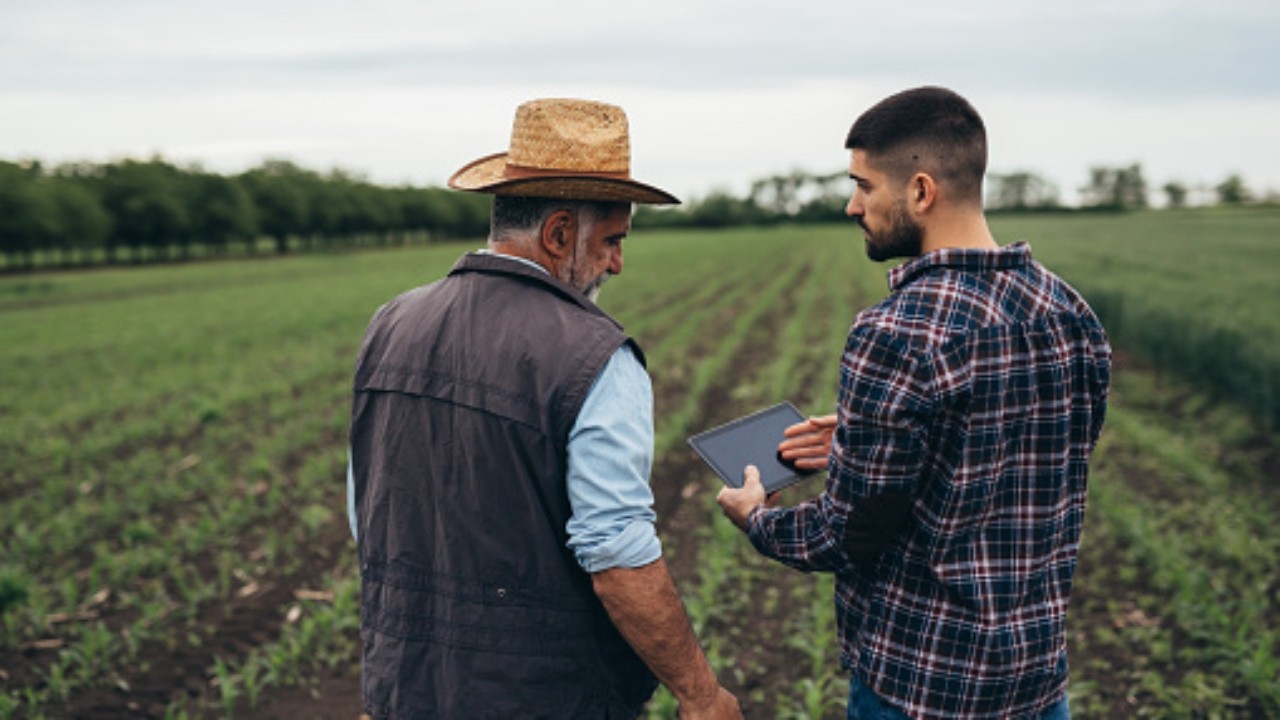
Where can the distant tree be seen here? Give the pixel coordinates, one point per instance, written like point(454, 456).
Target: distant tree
point(822, 209)
point(369, 210)
point(222, 211)
point(387, 215)
point(1020, 191)
point(1233, 191)
point(471, 214)
point(824, 197)
point(720, 209)
point(146, 201)
point(424, 210)
point(1176, 193)
point(327, 204)
point(81, 222)
point(27, 213)
point(660, 216)
point(279, 192)
point(778, 195)
point(1115, 188)
point(797, 195)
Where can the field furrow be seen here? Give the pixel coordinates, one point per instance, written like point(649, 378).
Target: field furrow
point(1175, 603)
point(172, 456)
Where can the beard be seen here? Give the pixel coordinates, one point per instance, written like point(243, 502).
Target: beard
point(903, 238)
point(580, 266)
point(592, 290)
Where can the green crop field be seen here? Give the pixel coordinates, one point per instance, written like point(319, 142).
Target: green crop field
point(172, 457)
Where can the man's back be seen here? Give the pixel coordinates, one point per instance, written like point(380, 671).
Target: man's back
point(978, 388)
point(465, 394)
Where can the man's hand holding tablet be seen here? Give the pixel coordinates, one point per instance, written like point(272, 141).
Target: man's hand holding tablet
point(808, 443)
point(802, 448)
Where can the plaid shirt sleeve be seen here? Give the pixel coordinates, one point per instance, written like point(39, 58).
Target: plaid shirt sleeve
point(876, 456)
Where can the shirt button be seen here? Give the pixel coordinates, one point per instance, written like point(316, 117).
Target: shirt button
point(502, 592)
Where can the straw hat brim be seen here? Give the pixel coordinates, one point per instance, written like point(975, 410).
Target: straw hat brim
point(489, 175)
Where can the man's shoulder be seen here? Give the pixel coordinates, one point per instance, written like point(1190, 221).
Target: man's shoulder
point(884, 329)
point(918, 309)
point(627, 364)
point(1064, 292)
point(945, 306)
point(408, 297)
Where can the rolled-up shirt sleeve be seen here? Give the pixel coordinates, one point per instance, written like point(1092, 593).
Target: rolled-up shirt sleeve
point(351, 499)
point(610, 457)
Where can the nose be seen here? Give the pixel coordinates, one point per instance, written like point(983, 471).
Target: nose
point(854, 208)
point(615, 260)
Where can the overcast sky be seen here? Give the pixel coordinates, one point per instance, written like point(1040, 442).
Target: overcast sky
point(718, 92)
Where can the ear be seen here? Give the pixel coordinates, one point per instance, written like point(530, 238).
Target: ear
point(922, 192)
point(559, 234)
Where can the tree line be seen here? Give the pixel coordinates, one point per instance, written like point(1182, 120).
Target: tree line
point(805, 197)
point(151, 210)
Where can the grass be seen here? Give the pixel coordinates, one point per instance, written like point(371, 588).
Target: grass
point(172, 453)
point(1193, 291)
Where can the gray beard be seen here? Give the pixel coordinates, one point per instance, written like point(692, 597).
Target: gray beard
point(592, 291)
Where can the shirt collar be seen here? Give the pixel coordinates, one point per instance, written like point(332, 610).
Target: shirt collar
point(972, 260)
point(498, 264)
point(517, 258)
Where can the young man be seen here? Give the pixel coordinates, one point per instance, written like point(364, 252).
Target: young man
point(501, 442)
point(970, 401)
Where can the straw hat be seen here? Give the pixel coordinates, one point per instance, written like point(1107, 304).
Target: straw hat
point(572, 149)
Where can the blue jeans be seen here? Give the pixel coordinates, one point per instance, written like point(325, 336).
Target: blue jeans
point(864, 704)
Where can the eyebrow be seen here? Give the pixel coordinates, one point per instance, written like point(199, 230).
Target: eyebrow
point(858, 178)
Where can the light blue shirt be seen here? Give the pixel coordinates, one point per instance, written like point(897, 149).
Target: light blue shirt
point(610, 457)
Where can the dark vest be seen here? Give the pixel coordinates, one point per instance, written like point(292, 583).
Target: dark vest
point(472, 606)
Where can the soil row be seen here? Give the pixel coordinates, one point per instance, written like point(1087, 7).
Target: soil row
point(175, 665)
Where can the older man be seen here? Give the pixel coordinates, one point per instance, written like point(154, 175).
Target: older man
point(501, 441)
point(970, 401)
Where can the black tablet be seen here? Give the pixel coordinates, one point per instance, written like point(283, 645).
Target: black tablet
point(751, 440)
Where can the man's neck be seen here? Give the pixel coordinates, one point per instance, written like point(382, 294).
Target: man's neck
point(961, 229)
point(514, 250)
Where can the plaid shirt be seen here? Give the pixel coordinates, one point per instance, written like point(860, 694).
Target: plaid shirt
point(974, 393)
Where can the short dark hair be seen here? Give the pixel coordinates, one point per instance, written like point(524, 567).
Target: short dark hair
point(513, 213)
point(929, 129)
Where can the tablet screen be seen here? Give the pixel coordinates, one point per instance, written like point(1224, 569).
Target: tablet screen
point(751, 440)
